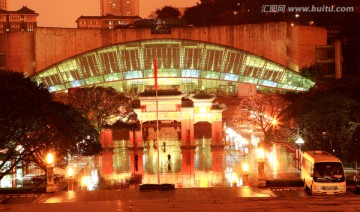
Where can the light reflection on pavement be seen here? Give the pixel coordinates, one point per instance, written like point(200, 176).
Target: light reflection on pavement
point(202, 167)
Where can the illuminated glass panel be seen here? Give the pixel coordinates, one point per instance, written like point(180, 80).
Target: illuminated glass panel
point(190, 73)
point(234, 62)
point(191, 58)
point(109, 62)
point(254, 61)
point(247, 79)
point(229, 77)
point(185, 62)
point(169, 73)
point(113, 77)
point(69, 71)
point(252, 71)
point(94, 80)
point(267, 83)
point(213, 60)
point(210, 75)
point(133, 75)
point(77, 83)
point(130, 59)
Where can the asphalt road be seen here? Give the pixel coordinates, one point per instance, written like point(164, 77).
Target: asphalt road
point(127, 195)
point(253, 204)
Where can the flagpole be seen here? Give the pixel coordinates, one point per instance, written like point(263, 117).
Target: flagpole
point(157, 134)
point(157, 119)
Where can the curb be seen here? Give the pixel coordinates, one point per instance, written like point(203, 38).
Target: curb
point(161, 187)
point(282, 183)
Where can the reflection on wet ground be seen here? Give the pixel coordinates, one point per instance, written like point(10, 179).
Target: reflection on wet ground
point(203, 166)
point(185, 168)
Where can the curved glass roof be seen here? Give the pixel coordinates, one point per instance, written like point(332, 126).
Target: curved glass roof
point(183, 59)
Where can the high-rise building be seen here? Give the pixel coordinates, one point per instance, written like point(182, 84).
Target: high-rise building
point(119, 7)
point(3, 4)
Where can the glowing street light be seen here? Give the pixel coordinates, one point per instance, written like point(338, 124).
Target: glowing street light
point(261, 166)
point(50, 185)
point(261, 154)
point(70, 173)
point(245, 168)
point(234, 179)
point(299, 141)
point(274, 122)
point(50, 158)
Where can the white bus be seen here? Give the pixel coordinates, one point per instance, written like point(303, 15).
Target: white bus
point(323, 173)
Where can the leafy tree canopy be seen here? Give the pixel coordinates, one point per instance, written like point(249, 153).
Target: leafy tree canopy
point(103, 106)
point(326, 121)
point(31, 125)
point(168, 12)
point(261, 110)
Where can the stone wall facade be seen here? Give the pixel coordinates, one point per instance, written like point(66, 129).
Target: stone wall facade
point(291, 46)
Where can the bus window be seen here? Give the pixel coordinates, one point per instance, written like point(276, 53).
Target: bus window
point(328, 172)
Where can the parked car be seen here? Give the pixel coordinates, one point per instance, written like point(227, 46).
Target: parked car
point(357, 182)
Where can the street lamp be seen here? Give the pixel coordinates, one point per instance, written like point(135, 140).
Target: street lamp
point(50, 185)
point(70, 173)
point(245, 168)
point(274, 122)
point(234, 179)
point(261, 164)
point(299, 141)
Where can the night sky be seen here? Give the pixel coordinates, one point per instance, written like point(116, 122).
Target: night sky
point(63, 13)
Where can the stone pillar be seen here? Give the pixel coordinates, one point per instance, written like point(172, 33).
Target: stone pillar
point(216, 133)
point(106, 138)
point(187, 162)
point(107, 162)
point(187, 127)
point(136, 162)
point(338, 60)
point(50, 185)
point(136, 141)
point(217, 165)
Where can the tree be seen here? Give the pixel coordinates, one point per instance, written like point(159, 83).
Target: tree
point(168, 12)
point(326, 121)
point(31, 124)
point(103, 106)
point(261, 110)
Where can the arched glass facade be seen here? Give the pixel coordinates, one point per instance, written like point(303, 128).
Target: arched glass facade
point(184, 64)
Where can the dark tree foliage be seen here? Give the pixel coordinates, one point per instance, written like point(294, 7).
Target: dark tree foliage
point(32, 125)
point(215, 12)
point(326, 121)
point(101, 105)
point(168, 12)
point(353, 149)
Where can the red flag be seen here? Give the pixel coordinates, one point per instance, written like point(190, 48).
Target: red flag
point(155, 74)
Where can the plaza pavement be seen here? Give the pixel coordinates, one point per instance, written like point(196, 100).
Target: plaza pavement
point(244, 198)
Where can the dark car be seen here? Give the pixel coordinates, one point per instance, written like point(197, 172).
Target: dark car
point(357, 182)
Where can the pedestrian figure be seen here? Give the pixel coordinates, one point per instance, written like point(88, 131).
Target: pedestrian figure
point(169, 158)
point(169, 167)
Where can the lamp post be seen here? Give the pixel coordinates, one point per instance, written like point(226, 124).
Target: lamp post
point(261, 167)
point(245, 168)
point(70, 179)
point(50, 185)
point(299, 141)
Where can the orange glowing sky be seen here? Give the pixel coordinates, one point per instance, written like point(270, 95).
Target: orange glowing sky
point(63, 13)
